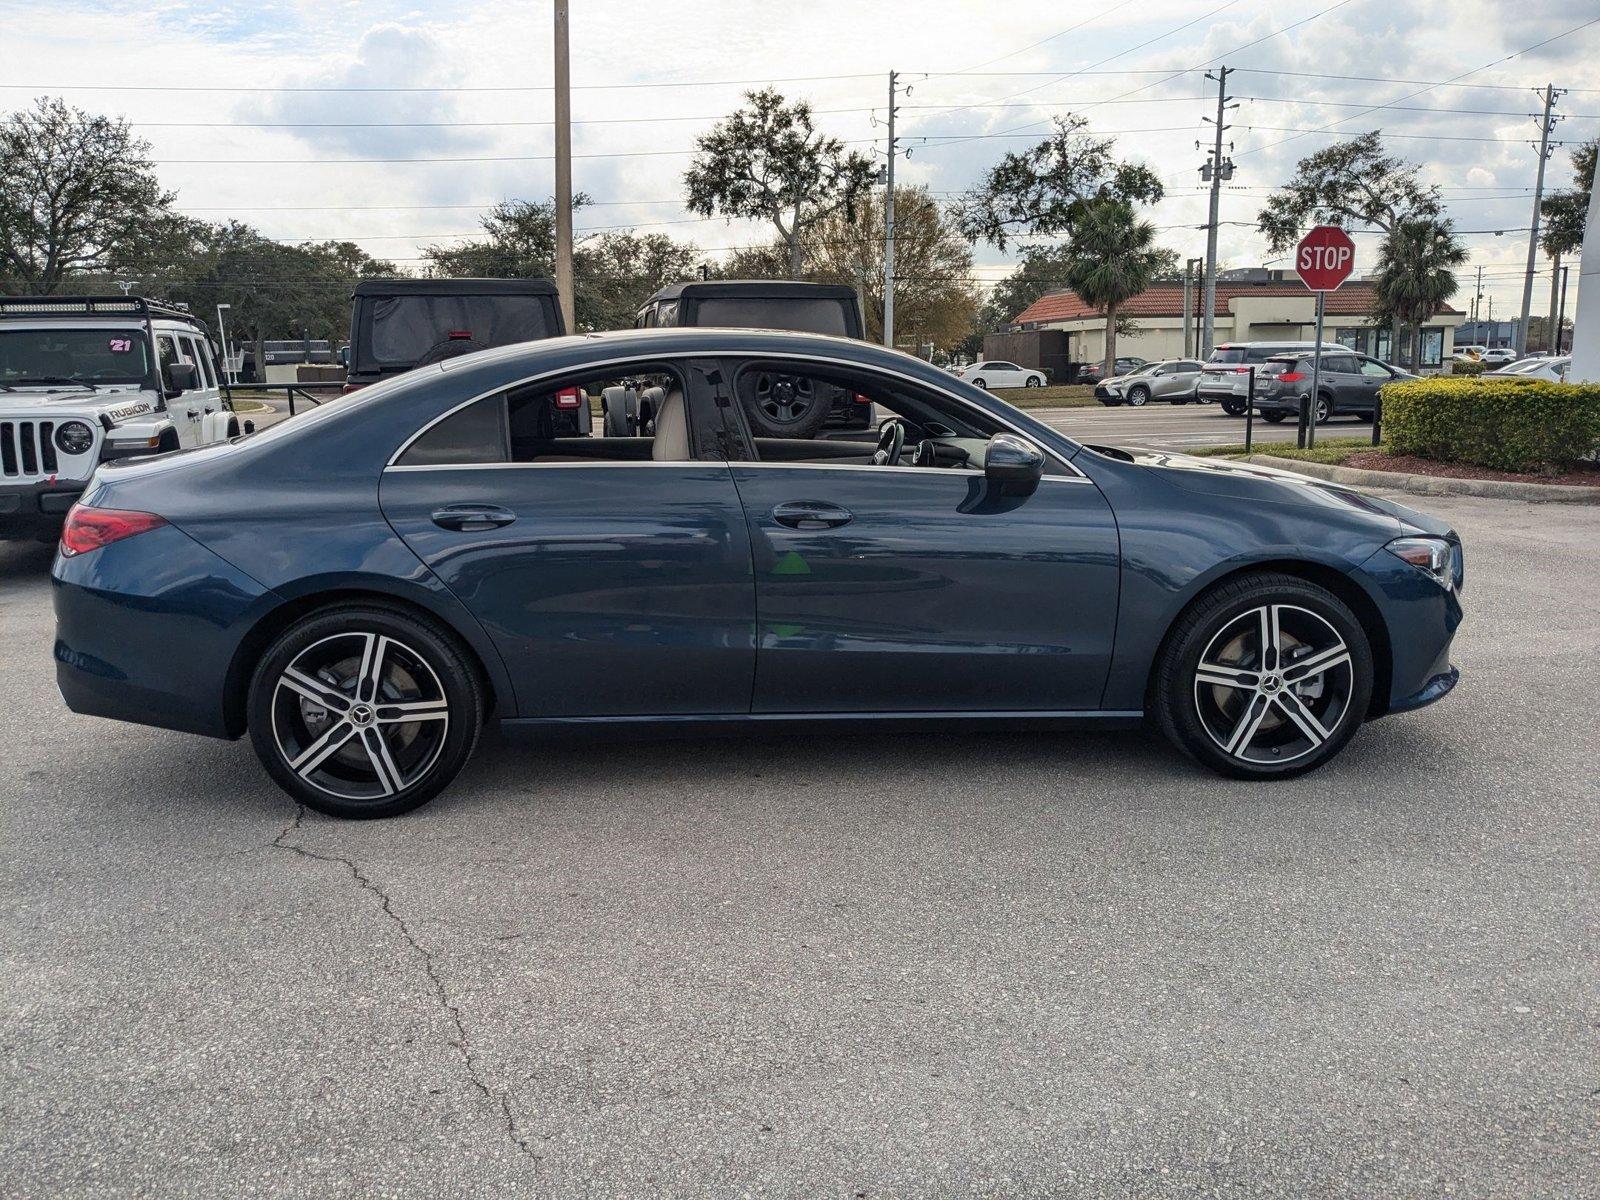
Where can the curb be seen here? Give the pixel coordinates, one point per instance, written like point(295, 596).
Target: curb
point(1435, 485)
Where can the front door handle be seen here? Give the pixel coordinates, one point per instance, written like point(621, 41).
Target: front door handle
point(468, 518)
point(811, 514)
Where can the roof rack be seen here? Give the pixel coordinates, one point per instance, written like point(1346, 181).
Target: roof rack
point(138, 307)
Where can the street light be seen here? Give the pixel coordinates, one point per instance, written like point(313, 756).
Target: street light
point(227, 357)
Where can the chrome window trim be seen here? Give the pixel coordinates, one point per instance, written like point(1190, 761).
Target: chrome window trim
point(394, 459)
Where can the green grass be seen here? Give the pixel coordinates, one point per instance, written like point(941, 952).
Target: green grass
point(1070, 395)
point(1330, 452)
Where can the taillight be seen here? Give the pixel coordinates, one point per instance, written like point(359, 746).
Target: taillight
point(860, 399)
point(460, 335)
point(352, 387)
point(1291, 377)
point(569, 398)
point(89, 528)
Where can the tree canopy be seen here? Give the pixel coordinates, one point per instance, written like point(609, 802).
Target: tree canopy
point(766, 161)
point(1047, 188)
point(1112, 258)
point(1352, 184)
point(78, 194)
point(1416, 274)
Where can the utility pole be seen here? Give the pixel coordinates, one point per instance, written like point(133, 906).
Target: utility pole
point(888, 223)
point(1561, 312)
point(564, 169)
point(1550, 94)
point(1191, 278)
point(1216, 171)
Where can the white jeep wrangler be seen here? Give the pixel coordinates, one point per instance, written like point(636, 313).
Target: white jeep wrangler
point(86, 379)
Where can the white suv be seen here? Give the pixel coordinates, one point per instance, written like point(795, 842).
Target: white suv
point(89, 378)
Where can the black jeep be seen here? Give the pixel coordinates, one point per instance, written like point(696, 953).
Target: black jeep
point(398, 325)
point(781, 405)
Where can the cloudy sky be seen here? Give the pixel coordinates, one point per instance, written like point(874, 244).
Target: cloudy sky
point(290, 115)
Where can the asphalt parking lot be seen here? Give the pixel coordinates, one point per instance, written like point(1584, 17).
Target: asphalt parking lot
point(861, 965)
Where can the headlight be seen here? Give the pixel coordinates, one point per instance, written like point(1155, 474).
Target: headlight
point(74, 437)
point(1434, 556)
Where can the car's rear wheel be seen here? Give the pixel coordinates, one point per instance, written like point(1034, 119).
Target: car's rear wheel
point(1273, 418)
point(364, 711)
point(1234, 408)
point(1324, 409)
point(1264, 677)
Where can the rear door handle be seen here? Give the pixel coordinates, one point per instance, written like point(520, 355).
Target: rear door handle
point(467, 518)
point(811, 514)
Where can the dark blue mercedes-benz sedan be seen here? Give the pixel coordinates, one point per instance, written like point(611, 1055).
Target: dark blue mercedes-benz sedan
point(362, 588)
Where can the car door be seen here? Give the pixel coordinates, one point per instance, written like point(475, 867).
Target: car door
point(1185, 379)
point(1374, 375)
point(1349, 386)
point(187, 408)
point(612, 573)
point(207, 395)
point(1162, 381)
point(901, 589)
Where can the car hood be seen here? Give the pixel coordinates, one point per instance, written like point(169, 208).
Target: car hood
point(1117, 379)
point(79, 399)
point(1269, 485)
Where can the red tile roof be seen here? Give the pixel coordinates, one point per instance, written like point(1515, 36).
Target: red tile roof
point(1354, 299)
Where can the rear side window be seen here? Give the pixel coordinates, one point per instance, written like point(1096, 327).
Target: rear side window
point(476, 434)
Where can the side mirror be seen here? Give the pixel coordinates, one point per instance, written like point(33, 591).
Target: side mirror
point(1013, 462)
point(181, 378)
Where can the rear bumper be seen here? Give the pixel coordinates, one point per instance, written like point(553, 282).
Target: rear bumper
point(147, 630)
point(34, 511)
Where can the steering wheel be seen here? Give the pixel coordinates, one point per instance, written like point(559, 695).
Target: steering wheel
point(891, 440)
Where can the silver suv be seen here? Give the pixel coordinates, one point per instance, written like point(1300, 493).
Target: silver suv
point(1225, 377)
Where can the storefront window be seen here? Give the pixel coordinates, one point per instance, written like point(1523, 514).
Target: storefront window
point(1432, 347)
point(1384, 351)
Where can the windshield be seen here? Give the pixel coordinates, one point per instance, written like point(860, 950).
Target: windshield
point(91, 355)
point(801, 316)
point(405, 328)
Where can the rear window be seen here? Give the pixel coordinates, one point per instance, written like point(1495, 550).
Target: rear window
point(801, 316)
point(405, 328)
point(1227, 354)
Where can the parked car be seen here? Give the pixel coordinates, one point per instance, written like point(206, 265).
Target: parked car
point(1347, 384)
point(1499, 356)
point(1094, 372)
point(998, 373)
point(88, 379)
point(966, 563)
point(398, 325)
point(1173, 380)
point(1551, 370)
point(1225, 376)
point(787, 406)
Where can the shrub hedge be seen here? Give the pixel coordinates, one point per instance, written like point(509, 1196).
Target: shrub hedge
point(1502, 424)
point(1468, 366)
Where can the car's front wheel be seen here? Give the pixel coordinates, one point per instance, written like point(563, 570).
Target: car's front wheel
point(1264, 677)
point(1033, 381)
point(364, 711)
point(979, 383)
point(1137, 396)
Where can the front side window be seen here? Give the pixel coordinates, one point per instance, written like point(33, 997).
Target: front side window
point(940, 431)
point(90, 355)
point(1375, 370)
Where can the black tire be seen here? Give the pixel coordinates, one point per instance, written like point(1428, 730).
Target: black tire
point(1234, 408)
point(787, 406)
point(1033, 381)
point(1273, 418)
point(1200, 714)
point(409, 762)
point(979, 383)
point(1138, 396)
point(1323, 411)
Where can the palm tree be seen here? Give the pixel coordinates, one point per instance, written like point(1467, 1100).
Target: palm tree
point(1112, 258)
point(1417, 274)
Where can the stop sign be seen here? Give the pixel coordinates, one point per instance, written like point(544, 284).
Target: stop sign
point(1324, 258)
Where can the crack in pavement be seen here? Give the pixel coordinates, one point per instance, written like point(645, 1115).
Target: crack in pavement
point(501, 1100)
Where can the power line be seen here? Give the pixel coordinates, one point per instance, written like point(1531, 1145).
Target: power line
point(531, 87)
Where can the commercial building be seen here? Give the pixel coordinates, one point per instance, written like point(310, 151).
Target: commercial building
point(1255, 305)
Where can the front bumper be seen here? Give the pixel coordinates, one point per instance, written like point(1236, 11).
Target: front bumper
point(34, 511)
point(1420, 620)
point(1105, 395)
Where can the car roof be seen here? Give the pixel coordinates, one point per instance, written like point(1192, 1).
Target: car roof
point(455, 287)
point(764, 289)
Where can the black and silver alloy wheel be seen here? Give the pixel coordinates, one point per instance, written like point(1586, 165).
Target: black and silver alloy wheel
point(364, 711)
point(360, 716)
point(1273, 685)
point(1264, 676)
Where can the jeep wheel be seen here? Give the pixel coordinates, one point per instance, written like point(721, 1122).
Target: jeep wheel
point(787, 406)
